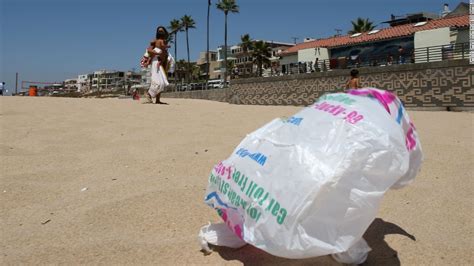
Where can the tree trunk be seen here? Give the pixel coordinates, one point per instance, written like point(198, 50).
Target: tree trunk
point(187, 46)
point(175, 55)
point(225, 51)
point(176, 47)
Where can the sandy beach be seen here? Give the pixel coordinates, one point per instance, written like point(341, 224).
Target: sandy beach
point(112, 181)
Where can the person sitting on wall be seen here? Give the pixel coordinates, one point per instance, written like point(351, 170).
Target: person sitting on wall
point(353, 83)
point(401, 58)
point(389, 59)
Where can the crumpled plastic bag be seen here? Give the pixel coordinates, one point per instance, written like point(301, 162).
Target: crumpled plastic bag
point(218, 235)
point(310, 185)
point(356, 254)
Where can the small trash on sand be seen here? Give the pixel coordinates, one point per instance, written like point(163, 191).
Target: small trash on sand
point(84, 189)
point(113, 179)
point(47, 221)
point(196, 153)
point(205, 150)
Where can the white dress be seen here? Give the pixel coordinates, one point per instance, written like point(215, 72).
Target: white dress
point(159, 79)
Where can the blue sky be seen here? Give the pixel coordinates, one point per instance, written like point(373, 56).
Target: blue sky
point(52, 40)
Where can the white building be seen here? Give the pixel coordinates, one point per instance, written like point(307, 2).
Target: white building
point(84, 82)
point(70, 85)
point(243, 61)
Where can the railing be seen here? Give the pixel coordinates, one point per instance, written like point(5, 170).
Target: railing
point(418, 55)
point(441, 53)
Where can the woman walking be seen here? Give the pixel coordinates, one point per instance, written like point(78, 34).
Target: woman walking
point(159, 59)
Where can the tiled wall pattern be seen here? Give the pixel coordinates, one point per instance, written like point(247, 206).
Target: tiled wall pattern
point(439, 84)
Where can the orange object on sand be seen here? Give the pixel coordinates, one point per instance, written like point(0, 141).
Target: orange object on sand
point(33, 91)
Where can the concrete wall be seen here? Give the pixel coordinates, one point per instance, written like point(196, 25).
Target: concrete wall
point(443, 84)
point(220, 95)
point(440, 36)
point(310, 54)
point(429, 38)
point(460, 36)
point(289, 59)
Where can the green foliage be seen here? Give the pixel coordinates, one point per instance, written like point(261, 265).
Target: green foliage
point(361, 25)
point(228, 6)
point(261, 55)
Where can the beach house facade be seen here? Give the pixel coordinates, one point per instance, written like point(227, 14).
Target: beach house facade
point(242, 62)
point(416, 38)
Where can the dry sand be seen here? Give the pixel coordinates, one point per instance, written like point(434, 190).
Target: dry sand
point(145, 168)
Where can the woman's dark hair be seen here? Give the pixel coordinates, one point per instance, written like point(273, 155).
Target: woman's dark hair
point(354, 73)
point(161, 35)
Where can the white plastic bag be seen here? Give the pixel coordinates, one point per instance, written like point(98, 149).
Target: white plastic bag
point(356, 254)
point(218, 235)
point(310, 185)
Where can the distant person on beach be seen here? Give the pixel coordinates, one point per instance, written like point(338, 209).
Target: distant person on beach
point(158, 59)
point(354, 81)
point(2, 87)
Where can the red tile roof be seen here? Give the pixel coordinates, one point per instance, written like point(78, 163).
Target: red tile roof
point(387, 33)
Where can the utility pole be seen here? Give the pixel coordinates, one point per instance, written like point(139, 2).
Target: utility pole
point(338, 32)
point(294, 39)
point(16, 84)
point(207, 52)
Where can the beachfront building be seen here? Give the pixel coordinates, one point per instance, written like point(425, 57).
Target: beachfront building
point(132, 80)
point(70, 85)
point(108, 81)
point(220, 69)
point(213, 64)
point(275, 68)
point(105, 80)
point(84, 82)
point(242, 62)
point(416, 38)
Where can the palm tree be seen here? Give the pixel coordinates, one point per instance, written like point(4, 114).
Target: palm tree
point(231, 67)
point(361, 25)
point(188, 23)
point(226, 6)
point(195, 71)
point(180, 69)
point(175, 27)
point(261, 54)
point(246, 44)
